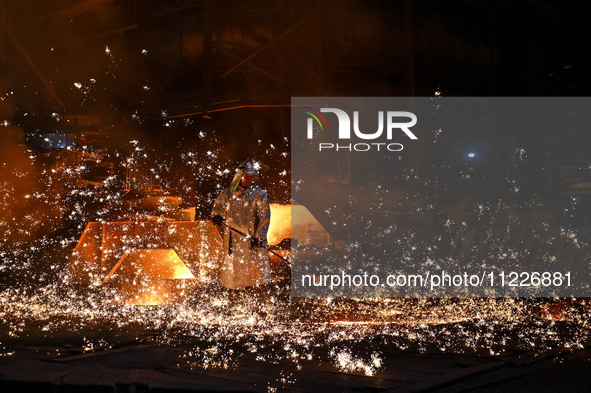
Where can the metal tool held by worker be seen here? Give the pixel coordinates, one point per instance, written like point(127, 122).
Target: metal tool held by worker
point(245, 235)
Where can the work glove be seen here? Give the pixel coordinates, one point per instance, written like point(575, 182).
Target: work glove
point(256, 242)
point(217, 220)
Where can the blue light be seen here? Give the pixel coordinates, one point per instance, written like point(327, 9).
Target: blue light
point(471, 155)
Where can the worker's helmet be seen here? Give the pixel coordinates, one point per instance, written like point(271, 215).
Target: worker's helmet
point(248, 167)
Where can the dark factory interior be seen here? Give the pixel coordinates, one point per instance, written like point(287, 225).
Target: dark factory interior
point(122, 120)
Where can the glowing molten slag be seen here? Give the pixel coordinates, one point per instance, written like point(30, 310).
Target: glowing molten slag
point(157, 263)
point(280, 227)
point(150, 275)
point(285, 217)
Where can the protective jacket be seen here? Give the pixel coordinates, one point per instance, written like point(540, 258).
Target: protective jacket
point(246, 210)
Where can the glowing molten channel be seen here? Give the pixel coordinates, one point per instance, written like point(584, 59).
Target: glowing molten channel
point(157, 263)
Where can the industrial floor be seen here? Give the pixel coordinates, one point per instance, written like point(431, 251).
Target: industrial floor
point(337, 346)
point(145, 367)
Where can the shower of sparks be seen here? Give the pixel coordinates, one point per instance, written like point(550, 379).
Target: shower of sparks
point(225, 326)
point(220, 327)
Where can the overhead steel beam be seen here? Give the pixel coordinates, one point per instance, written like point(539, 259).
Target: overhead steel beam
point(263, 48)
point(31, 63)
point(207, 70)
point(73, 11)
point(2, 33)
point(255, 67)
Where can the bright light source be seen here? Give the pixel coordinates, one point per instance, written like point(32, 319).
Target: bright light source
point(471, 155)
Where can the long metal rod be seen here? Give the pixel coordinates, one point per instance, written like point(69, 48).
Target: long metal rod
point(245, 235)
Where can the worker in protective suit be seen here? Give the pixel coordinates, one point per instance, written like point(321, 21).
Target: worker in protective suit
point(243, 206)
